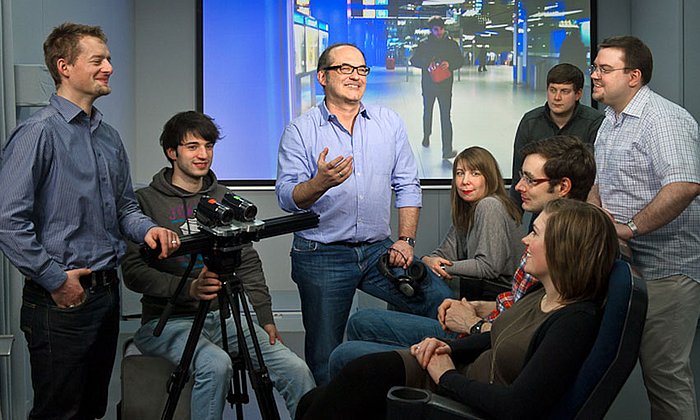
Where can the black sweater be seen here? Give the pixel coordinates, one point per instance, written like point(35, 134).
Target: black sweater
point(554, 357)
point(434, 49)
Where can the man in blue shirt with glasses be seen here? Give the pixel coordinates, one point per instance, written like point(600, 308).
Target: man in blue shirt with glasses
point(342, 159)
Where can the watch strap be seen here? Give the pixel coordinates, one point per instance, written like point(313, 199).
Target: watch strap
point(409, 240)
point(476, 328)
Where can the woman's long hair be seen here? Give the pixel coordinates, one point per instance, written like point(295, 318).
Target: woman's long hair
point(479, 159)
point(581, 246)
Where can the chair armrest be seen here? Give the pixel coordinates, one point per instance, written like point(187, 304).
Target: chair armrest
point(405, 403)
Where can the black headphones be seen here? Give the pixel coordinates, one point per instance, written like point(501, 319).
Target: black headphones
point(408, 281)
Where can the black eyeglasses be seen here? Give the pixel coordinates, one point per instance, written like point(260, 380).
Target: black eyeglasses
point(531, 182)
point(348, 69)
point(605, 69)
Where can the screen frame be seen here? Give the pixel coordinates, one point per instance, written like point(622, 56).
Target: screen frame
point(267, 183)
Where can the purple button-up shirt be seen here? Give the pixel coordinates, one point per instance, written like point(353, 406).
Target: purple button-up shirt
point(67, 197)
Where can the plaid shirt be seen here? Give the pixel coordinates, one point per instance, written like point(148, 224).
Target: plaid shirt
point(652, 143)
point(522, 282)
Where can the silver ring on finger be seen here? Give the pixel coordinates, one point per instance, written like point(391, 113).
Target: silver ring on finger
point(340, 174)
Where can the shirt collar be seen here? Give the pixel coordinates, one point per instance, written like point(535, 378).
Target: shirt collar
point(327, 117)
point(636, 106)
point(69, 111)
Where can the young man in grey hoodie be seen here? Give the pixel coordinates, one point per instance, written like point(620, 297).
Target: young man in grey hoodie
point(188, 140)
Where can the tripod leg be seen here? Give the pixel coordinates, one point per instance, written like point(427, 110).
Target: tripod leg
point(238, 392)
point(259, 378)
point(180, 375)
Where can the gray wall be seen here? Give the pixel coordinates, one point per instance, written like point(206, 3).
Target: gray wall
point(667, 28)
point(32, 20)
point(165, 68)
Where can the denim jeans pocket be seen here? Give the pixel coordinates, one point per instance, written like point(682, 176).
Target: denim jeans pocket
point(26, 319)
point(304, 245)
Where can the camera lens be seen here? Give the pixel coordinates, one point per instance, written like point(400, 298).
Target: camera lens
point(212, 213)
point(244, 210)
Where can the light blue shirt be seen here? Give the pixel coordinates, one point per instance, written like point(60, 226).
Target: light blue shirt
point(652, 143)
point(66, 195)
point(358, 210)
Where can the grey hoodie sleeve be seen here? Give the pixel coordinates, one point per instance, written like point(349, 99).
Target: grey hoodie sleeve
point(253, 279)
point(141, 278)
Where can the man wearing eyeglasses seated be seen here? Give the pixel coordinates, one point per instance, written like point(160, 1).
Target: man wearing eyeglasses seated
point(342, 159)
point(561, 114)
point(648, 155)
point(554, 167)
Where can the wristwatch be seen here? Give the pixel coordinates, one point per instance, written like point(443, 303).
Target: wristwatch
point(476, 328)
point(630, 224)
point(408, 240)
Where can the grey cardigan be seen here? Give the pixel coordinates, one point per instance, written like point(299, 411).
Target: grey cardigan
point(490, 250)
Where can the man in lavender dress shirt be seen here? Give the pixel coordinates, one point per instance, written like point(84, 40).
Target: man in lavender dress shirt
point(341, 159)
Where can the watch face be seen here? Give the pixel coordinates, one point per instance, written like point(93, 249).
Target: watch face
point(410, 241)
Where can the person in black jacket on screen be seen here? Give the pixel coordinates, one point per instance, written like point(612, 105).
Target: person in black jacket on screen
point(436, 54)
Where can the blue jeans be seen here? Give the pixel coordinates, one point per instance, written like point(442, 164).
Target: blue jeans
point(71, 351)
point(211, 365)
point(327, 276)
point(377, 330)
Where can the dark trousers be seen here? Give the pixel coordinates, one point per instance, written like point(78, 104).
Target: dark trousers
point(71, 351)
point(444, 98)
point(357, 392)
point(479, 289)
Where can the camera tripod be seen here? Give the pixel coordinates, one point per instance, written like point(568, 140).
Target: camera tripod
point(231, 295)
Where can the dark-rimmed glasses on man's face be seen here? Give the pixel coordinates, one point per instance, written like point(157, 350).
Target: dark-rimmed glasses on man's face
point(531, 182)
point(604, 69)
point(348, 69)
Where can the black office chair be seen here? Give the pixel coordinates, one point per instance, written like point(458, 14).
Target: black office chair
point(604, 372)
